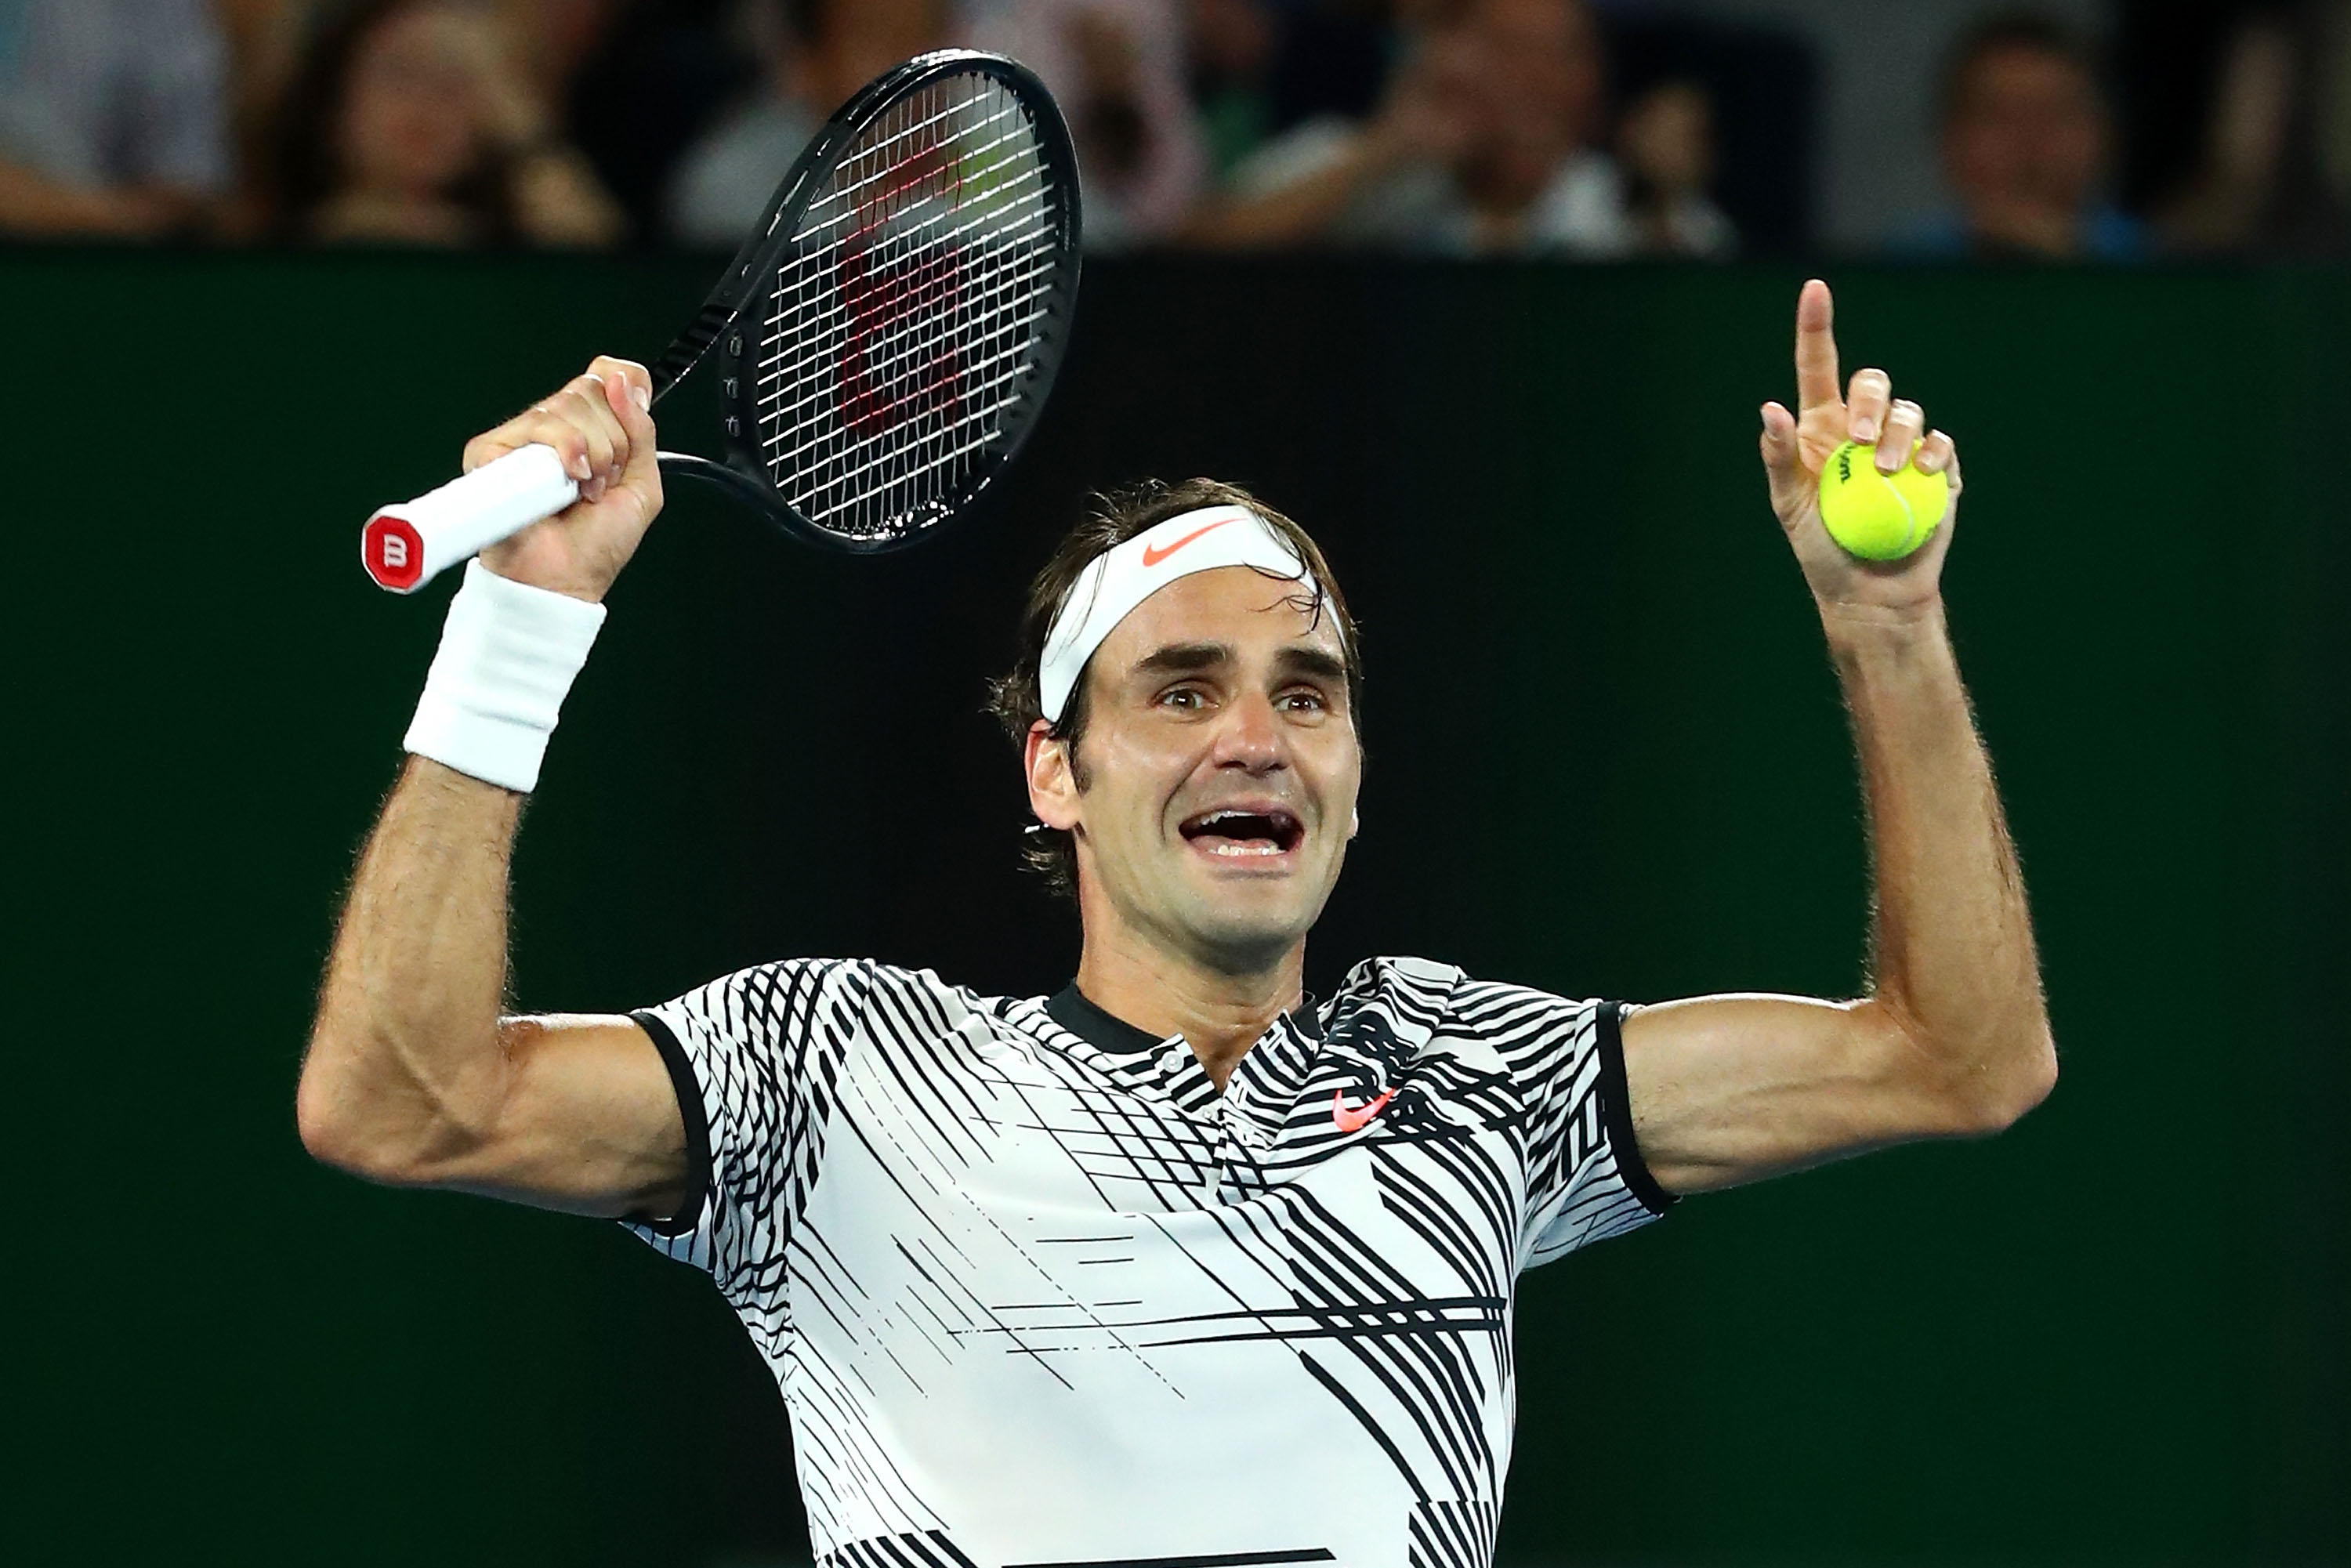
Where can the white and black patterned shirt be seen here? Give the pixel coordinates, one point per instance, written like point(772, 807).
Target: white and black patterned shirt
point(1036, 1294)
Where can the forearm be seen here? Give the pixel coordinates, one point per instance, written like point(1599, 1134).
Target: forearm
point(31, 204)
point(404, 1056)
point(1298, 213)
point(1952, 1038)
point(411, 1075)
point(1954, 966)
point(561, 203)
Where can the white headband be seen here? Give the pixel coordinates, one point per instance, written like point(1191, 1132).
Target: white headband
point(1123, 577)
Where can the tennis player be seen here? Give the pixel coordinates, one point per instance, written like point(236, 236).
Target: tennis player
point(1179, 1266)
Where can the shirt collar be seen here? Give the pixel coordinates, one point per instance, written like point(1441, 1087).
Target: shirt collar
point(1072, 1010)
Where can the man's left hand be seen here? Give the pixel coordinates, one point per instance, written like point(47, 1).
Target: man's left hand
point(1797, 446)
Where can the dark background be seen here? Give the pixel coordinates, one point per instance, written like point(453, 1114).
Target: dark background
point(1606, 756)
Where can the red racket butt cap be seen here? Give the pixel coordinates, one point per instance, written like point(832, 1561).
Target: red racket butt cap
point(392, 553)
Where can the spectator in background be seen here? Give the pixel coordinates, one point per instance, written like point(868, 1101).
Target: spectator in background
point(1263, 66)
point(654, 77)
point(1336, 54)
point(1117, 68)
point(113, 117)
point(265, 40)
point(1665, 142)
point(2261, 184)
point(1487, 144)
point(814, 54)
point(409, 122)
point(1232, 46)
point(2026, 135)
point(1259, 68)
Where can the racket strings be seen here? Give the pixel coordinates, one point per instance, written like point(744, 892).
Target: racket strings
point(905, 320)
point(824, 340)
point(811, 331)
point(902, 290)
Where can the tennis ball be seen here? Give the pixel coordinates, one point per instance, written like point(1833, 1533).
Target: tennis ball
point(1877, 516)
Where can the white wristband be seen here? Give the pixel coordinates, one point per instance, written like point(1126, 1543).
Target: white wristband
point(509, 653)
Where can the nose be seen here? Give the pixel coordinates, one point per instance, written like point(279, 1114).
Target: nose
point(1250, 738)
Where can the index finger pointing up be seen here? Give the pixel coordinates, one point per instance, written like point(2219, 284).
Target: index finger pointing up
point(1816, 349)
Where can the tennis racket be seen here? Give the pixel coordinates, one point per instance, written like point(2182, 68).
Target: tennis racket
point(886, 338)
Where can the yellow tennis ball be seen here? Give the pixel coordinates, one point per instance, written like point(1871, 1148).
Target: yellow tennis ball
point(1878, 515)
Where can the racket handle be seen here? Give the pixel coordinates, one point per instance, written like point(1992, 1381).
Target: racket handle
point(404, 546)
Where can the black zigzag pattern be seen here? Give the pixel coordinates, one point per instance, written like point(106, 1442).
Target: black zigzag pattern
point(928, 1550)
point(1575, 1193)
point(1432, 1381)
point(1453, 1534)
point(939, 1214)
point(767, 1110)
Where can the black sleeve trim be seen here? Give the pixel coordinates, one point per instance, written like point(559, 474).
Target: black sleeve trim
point(1617, 1112)
point(698, 1129)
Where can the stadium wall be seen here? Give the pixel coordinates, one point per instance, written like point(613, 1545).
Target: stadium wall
point(1606, 756)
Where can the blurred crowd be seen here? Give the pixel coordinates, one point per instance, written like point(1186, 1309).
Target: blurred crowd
point(2089, 130)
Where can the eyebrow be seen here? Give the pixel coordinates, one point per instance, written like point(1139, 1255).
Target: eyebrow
point(1312, 661)
point(1190, 658)
point(1183, 659)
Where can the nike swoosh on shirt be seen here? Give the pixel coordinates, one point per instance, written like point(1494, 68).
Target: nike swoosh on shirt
point(1357, 1121)
point(1153, 556)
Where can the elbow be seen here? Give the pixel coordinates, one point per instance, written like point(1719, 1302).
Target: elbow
point(326, 1135)
point(2041, 1077)
point(332, 1132)
point(2003, 1091)
point(360, 1130)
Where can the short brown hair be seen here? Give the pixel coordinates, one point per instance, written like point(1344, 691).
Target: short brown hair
point(2024, 32)
point(1111, 519)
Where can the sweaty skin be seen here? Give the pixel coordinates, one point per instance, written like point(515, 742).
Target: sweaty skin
point(1222, 692)
point(1224, 689)
point(1953, 1039)
point(412, 1077)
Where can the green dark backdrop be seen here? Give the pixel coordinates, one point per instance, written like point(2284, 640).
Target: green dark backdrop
point(1606, 757)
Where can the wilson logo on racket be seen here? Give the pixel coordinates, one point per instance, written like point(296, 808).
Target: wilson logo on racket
point(897, 367)
point(897, 284)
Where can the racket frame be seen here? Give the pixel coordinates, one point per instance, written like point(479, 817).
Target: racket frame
point(742, 471)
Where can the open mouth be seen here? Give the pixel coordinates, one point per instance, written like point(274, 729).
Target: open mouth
point(1240, 834)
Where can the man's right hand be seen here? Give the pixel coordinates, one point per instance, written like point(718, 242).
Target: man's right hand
point(601, 425)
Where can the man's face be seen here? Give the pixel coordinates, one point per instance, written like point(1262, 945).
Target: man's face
point(1540, 86)
point(1547, 58)
point(2025, 130)
point(1220, 768)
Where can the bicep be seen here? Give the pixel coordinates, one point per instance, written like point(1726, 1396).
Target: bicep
point(586, 1120)
point(1731, 1089)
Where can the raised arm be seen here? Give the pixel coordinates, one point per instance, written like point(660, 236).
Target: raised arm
point(1953, 1039)
point(412, 1077)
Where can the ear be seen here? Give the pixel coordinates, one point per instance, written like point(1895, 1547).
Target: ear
point(1052, 786)
point(1354, 822)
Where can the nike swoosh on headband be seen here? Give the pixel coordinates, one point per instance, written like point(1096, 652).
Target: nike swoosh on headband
point(1151, 557)
point(1123, 576)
